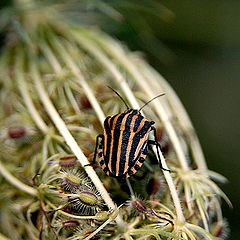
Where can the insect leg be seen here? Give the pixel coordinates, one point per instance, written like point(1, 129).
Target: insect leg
point(154, 142)
point(100, 136)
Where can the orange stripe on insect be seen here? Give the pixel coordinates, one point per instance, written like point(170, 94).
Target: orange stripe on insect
point(103, 166)
point(139, 164)
point(133, 170)
point(122, 128)
point(112, 141)
point(132, 134)
point(143, 155)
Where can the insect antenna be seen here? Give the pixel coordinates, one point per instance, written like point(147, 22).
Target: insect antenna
point(120, 97)
point(150, 101)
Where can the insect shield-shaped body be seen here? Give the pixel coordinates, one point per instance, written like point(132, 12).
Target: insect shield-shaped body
point(125, 143)
point(123, 146)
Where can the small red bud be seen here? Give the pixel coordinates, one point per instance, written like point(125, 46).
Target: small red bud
point(16, 132)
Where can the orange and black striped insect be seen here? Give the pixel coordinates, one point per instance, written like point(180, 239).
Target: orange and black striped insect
point(123, 146)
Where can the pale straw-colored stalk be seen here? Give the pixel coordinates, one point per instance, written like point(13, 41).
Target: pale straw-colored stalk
point(62, 128)
point(77, 73)
point(158, 82)
point(23, 88)
point(124, 60)
point(91, 47)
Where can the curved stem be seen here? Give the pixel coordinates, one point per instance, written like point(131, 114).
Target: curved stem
point(62, 128)
point(158, 82)
point(109, 65)
point(15, 182)
point(3, 237)
point(172, 189)
point(77, 73)
point(26, 96)
point(57, 69)
point(117, 52)
point(119, 78)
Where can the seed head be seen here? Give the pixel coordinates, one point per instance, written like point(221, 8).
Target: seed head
point(155, 186)
point(72, 180)
point(138, 206)
point(86, 200)
point(221, 229)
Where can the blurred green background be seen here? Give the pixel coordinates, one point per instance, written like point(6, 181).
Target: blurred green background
point(195, 45)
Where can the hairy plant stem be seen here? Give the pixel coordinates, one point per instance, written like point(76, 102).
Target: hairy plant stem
point(15, 182)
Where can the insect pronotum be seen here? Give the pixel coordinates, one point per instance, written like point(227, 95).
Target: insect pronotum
point(123, 146)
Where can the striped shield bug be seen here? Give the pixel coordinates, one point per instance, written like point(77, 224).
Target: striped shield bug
point(123, 146)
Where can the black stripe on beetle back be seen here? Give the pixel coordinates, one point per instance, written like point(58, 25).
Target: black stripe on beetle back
point(115, 140)
point(100, 154)
point(118, 144)
point(108, 144)
point(125, 142)
point(106, 125)
point(108, 139)
point(136, 140)
point(137, 122)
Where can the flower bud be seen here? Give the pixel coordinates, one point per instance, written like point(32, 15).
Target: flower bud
point(16, 132)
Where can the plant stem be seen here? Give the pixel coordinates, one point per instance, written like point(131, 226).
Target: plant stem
point(26, 96)
point(2, 237)
point(15, 182)
point(117, 52)
point(90, 46)
point(76, 71)
point(158, 82)
point(62, 128)
point(119, 78)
